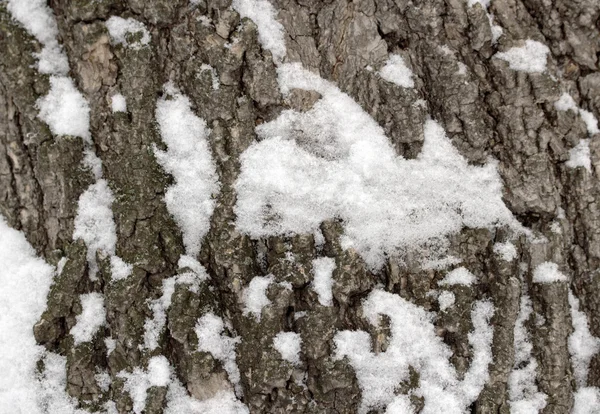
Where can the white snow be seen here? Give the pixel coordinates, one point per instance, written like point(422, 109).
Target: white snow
point(121, 29)
point(119, 269)
point(137, 382)
point(153, 327)
point(414, 343)
point(587, 401)
point(531, 57)
point(91, 318)
point(255, 296)
point(211, 338)
point(439, 264)
point(506, 250)
point(582, 345)
point(446, 300)
point(110, 344)
point(288, 344)
point(65, 110)
point(224, 402)
point(548, 272)
point(566, 102)
point(118, 103)
point(92, 162)
point(189, 159)
point(396, 72)
point(590, 121)
point(335, 161)
point(94, 222)
point(25, 281)
point(524, 396)
point(270, 31)
point(458, 276)
point(323, 268)
point(38, 20)
point(579, 156)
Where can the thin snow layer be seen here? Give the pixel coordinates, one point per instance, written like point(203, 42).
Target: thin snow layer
point(335, 161)
point(566, 103)
point(65, 110)
point(323, 268)
point(224, 402)
point(270, 31)
point(446, 300)
point(189, 160)
point(119, 269)
point(25, 281)
point(37, 18)
point(123, 31)
point(288, 344)
point(590, 121)
point(524, 396)
point(255, 296)
point(137, 382)
point(94, 222)
point(413, 343)
point(213, 74)
point(548, 272)
point(396, 71)
point(52, 397)
point(579, 156)
point(211, 338)
point(91, 318)
point(529, 58)
point(582, 345)
point(586, 401)
point(506, 250)
point(118, 103)
point(458, 276)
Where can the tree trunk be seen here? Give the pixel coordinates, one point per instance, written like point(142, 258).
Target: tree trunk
point(226, 70)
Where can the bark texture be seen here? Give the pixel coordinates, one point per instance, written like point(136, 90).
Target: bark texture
point(489, 110)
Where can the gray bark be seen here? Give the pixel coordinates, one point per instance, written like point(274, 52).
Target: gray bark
point(492, 111)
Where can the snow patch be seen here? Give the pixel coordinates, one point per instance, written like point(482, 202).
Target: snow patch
point(323, 268)
point(446, 300)
point(579, 156)
point(123, 30)
point(587, 401)
point(548, 272)
point(138, 381)
point(582, 345)
point(288, 345)
point(335, 161)
point(211, 338)
point(118, 103)
point(91, 318)
point(270, 31)
point(189, 160)
point(566, 103)
point(414, 343)
point(65, 110)
point(224, 402)
point(214, 76)
point(396, 72)
point(530, 58)
point(506, 250)
point(255, 296)
point(119, 269)
point(458, 276)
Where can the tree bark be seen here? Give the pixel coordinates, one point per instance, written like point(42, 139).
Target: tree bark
point(488, 110)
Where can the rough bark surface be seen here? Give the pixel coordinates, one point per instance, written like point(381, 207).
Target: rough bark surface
point(488, 110)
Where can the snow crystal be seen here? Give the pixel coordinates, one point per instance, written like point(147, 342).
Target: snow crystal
point(579, 156)
point(323, 268)
point(25, 281)
point(524, 397)
point(120, 28)
point(396, 71)
point(566, 102)
point(255, 296)
point(209, 331)
point(103, 380)
point(94, 222)
point(446, 299)
point(119, 269)
point(335, 161)
point(529, 58)
point(118, 103)
point(38, 20)
point(548, 272)
point(270, 31)
point(137, 382)
point(582, 345)
point(400, 405)
point(224, 402)
point(506, 250)
point(458, 276)
point(65, 110)
point(590, 121)
point(288, 345)
point(91, 318)
point(413, 343)
point(587, 401)
point(189, 160)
